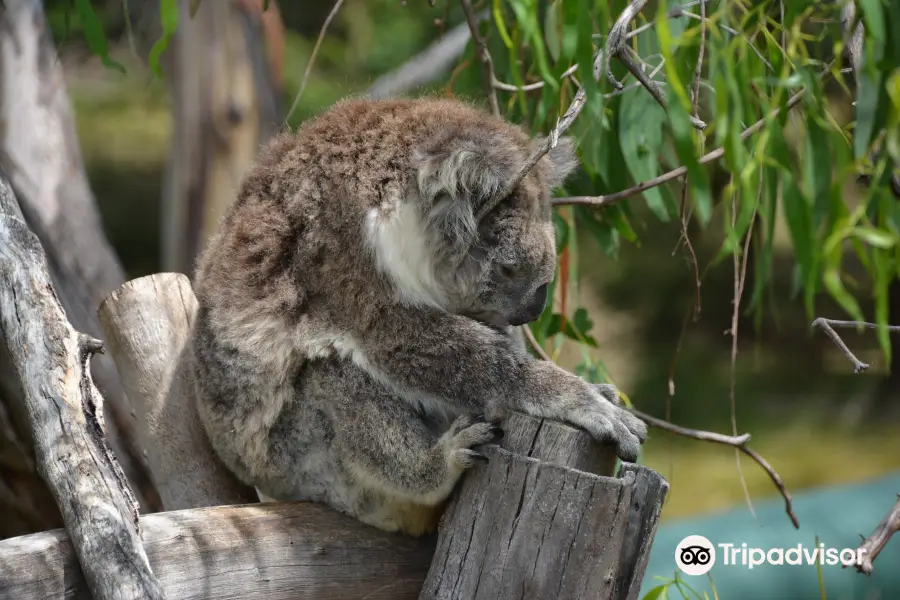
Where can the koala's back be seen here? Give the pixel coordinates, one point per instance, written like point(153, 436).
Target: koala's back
point(293, 241)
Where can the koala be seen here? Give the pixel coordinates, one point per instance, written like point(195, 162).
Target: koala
point(353, 340)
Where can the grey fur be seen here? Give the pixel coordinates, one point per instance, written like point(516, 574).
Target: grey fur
point(353, 331)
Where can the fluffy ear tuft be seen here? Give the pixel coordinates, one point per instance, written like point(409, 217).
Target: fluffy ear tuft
point(453, 184)
point(562, 161)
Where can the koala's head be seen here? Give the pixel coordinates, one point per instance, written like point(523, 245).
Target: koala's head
point(495, 268)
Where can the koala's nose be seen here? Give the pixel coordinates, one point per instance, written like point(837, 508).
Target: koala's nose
point(538, 302)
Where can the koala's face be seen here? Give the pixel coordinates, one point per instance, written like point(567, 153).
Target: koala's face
point(496, 268)
point(505, 277)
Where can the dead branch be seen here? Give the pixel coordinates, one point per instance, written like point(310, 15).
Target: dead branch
point(147, 323)
point(40, 155)
point(279, 551)
point(829, 326)
point(875, 543)
point(617, 47)
point(483, 55)
point(738, 441)
point(426, 67)
point(51, 362)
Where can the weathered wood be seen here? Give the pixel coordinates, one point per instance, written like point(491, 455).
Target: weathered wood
point(521, 528)
point(545, 519)
point(647, 498)
point(39, 153)
point(282, 551)
point(50, 360)
point(557, 443)
point(224, 107)
point(147, 322)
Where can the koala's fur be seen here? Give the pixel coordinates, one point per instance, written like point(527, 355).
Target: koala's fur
point(353, 322)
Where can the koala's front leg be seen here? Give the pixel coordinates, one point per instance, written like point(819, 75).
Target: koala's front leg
point(386, 444)
point(473, 367)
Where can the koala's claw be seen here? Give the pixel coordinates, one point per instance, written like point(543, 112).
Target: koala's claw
point(615, 424)
point(465, 433)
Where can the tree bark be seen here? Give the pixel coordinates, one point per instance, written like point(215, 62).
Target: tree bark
point(147, 323)
point(225, 106)
point(283, 551)
point(534, 523)
point(40, 155)
point(50, 360)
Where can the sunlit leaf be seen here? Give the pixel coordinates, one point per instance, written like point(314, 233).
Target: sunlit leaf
point(168, 14)
point(94, 34)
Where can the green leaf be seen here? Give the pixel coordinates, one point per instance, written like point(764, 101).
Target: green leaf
point(660, 592)
point(640, 133)
point(875, 237)
point(836, 289)
point(94, 34)
point(497, 11)
point(168, 16)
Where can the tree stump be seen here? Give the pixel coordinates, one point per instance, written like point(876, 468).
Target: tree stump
point(544, 520)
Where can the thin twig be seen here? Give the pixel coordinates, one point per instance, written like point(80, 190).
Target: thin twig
point(507, 87)
point(739, 442)
point(829, 326)
point(740, 276)
point(695, 434)
point(484, 55)
point(617, 46)
point(535, 345)
point(685, 214)
point(875, 543)
point(312, 57)
point(709, 157)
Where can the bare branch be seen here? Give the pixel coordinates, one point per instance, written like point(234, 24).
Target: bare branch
point(829, 326)
point(617, 46)
point(736, 441)
point(426, 67)
point(875, 543)
point(312, 57)
point(484, 56)
point(51, 362)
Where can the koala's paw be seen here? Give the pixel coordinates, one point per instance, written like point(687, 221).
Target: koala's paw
point(465, 433)
point(609, 421)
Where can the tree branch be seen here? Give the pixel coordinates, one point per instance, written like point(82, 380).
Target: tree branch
point(829, 326)
point(427, 66)
point(712, 156)
point(738, 441)
point(875, 543)
point(484, 56)
point(51, 361)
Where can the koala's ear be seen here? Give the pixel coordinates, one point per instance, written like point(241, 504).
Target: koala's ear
point(453, 183)
point(562, 162)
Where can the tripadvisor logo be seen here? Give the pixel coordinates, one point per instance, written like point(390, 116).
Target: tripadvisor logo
point(696, 555)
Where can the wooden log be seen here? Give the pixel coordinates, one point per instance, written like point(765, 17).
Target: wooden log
point(280, 551)
point(647, 498)
point(542, 520)
point(40, 155)
point(147, 323)
point(51, 361)
point(521, 528)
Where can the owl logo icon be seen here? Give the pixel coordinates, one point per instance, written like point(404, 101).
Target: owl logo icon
point(695, 555)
